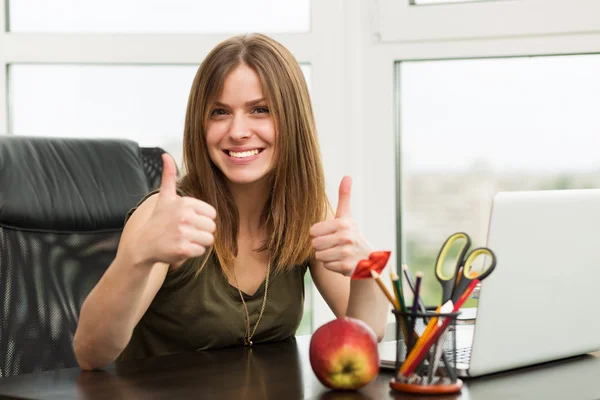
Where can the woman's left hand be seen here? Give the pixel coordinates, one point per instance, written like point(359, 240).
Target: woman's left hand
point(337, 242)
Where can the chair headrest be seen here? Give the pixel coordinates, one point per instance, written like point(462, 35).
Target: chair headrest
point(69, 184)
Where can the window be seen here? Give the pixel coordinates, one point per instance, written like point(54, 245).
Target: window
point(470, 128)
point(159, 16)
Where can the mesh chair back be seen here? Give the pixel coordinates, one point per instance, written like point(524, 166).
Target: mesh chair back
point(44, 279)
point(152, 160)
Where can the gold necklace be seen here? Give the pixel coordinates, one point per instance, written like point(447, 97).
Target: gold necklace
point(247, 335)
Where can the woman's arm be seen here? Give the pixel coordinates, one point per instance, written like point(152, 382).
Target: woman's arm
point(164, 231)
point(116, 304)
point(338, 249)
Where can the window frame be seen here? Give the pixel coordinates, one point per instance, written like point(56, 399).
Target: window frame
point(400, 21)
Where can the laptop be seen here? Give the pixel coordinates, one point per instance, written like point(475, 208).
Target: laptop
point(541, 302)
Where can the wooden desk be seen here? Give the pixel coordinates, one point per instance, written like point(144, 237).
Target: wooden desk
point(281, 371)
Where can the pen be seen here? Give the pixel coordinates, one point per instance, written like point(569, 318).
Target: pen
point(413, 318)
point(430, 322)
point(406, 273)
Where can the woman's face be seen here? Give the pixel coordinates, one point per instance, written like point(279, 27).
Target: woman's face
point(240, 134)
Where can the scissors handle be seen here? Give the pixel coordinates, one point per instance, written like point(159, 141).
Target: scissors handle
point(448, 281)
point(467, 276)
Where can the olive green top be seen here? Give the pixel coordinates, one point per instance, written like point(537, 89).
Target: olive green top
point(204, 311)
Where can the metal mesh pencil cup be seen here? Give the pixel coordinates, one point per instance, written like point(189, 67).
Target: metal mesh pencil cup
point(426, 359)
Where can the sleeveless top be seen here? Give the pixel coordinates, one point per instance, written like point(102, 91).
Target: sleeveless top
point(204, 311)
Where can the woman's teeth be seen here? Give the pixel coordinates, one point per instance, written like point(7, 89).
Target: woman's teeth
point(243, 154)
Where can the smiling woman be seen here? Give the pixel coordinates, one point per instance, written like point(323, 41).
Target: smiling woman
point(218, 259)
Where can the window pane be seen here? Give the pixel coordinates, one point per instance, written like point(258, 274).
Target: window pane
point(306, 325)
point(143, 103)
point(470, 128)
point(159, 16)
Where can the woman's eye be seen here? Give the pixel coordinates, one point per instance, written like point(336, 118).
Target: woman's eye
point(217, 112)
point(260, 110)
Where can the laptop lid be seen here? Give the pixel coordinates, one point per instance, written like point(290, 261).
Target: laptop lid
point(540, 303)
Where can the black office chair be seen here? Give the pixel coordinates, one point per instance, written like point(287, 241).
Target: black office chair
point(152, 160)
point(62, 208)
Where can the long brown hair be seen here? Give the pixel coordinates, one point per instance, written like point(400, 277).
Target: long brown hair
point(298, 198)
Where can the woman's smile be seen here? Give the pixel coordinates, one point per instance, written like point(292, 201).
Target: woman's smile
point(243, 156)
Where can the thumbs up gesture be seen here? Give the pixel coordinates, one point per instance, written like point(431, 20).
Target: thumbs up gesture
point(337, 242)
point(179, 227)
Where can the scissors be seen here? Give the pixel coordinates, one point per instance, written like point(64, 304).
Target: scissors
point(456, 287)
point(461, 275)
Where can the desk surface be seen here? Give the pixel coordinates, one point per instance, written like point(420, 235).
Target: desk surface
point(281, 371)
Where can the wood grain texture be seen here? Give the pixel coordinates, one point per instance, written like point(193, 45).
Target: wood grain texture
point(280, 371)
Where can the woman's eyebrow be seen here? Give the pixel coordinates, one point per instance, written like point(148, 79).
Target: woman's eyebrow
point(254, 102)
point(247, 104)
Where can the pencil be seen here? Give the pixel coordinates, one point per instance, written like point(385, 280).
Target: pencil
point(398, 290)
point(400, 300)
point(385, 291)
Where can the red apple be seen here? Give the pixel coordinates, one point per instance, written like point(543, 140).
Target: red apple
point(343, 354)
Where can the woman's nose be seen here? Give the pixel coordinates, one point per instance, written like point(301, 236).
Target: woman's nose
point(240, 129)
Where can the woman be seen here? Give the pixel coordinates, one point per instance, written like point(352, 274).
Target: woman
point(218, 259)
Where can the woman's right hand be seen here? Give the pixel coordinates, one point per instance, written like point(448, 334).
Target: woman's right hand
point(178, 228)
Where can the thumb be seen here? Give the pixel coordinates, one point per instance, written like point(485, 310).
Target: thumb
point(168, 183)
point(343, 206)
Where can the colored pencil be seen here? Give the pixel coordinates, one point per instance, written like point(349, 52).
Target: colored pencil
point(384, 289)
point(398, 290)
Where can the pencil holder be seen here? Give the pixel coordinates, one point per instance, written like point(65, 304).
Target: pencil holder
point(426, 353)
